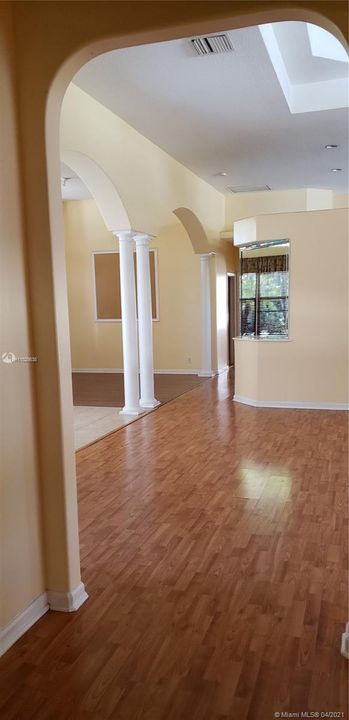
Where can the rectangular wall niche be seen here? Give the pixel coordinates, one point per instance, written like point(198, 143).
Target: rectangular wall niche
point(106, 273)
point(264, 283)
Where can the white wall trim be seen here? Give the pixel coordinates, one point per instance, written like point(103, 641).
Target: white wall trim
point(120, 370)
point(176, 372)
point(97, 370)
point(22, 622)
point(290, 404)
point(67, 601)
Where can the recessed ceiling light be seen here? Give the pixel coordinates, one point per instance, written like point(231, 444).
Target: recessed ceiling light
point(330, 147)
point(221, 174)
point(336, 169)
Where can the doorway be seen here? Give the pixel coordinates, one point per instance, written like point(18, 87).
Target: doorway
point(232, 317)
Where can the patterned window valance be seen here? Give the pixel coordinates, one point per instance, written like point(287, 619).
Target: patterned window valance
point(265, 264)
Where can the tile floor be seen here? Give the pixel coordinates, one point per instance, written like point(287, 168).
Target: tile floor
point(92, 423)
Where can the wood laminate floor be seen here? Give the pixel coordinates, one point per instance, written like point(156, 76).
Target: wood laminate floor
point(214, 552)
point(107, 389)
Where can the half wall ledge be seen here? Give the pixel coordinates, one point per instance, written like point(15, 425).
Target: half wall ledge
point(289, 404)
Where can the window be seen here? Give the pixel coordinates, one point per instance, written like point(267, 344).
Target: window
point(264, 292)
point(106, 271)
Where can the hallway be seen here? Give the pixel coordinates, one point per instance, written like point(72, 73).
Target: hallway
point(213, 551)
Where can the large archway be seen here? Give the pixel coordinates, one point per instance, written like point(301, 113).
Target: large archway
point(193, 226)
point(44, 218)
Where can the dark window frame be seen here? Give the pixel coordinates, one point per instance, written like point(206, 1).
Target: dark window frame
point(256, 300)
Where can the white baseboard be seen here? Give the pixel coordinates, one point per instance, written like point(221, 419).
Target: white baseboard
point(176, 372)
point(120, 370)
point(290, 404)
point(97, 370)
point(67, 601)
point(17, 627)
point(60, 601)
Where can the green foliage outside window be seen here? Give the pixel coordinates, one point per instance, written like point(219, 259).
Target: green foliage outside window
point(264, 304)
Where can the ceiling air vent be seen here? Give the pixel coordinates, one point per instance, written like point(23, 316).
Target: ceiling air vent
point(248, 189)
point(212, 44)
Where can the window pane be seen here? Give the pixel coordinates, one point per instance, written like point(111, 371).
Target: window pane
point(248, 317)
point(248, 285)
point(273, 317)
point(274, 284)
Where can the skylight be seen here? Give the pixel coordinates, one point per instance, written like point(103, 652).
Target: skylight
point(322, 76)
point(325, 45)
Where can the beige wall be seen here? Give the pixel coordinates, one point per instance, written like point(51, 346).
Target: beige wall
point(152, 185)
point(150, 182)
point(245, 205)
point(313, 365)
point(21, 550)
point(176, 334)
point(341, 200)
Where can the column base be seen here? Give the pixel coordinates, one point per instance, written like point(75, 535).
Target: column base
point(148, 404)
point(130, 411)
point(206, 373)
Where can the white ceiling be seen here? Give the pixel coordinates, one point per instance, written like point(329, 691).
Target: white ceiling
point(227, 112)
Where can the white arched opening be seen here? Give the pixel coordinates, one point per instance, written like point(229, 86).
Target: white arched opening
point(50, 323)
point(137, 343)
point(101, 188)
point(194, 228)
point(201, 247)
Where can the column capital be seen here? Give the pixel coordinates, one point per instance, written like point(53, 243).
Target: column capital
point(205, 256)
point(124, 235)
point(143, 239)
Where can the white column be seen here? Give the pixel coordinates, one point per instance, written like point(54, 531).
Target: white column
point(206, 350)
point(145, 323)
point(129, 324)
